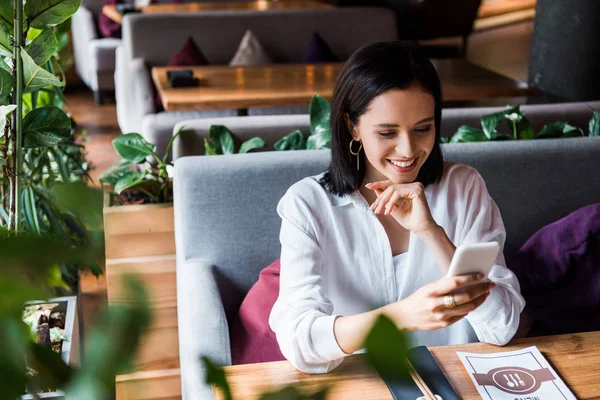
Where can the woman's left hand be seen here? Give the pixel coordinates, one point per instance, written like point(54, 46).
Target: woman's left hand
point(406, 202)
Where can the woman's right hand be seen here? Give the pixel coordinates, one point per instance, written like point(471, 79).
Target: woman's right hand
point(426, 309)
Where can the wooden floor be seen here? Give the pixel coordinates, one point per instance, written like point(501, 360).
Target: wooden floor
point(505, 50)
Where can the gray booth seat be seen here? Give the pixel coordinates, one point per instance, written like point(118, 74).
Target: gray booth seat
point(272, 128)
point(151, 40)
point(227, 227)
point(94, 55)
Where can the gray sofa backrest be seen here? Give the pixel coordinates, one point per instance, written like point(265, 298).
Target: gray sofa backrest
point(284, 34)
point(272, 128)
point(225, 206)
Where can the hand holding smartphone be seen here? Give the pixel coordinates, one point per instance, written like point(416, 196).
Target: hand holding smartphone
point(474, 258)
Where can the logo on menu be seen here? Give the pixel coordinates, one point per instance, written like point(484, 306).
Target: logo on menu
point(515, 380)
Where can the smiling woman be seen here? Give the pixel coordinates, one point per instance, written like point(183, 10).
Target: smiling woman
point(375, 233)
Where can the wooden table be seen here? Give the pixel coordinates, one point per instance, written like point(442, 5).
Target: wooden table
point(111, 11)
point(224, 87)
point(575, 358)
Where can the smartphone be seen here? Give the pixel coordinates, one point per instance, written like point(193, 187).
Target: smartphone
point(473, 258)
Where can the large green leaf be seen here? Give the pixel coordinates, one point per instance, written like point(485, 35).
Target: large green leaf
point(251, 144)
point(133, 147)
point(43, 46)
point(222, 139)
point(35, 77)
point(558, 129)
point(387, 349)
point(79, 200)
point(320, 112)
point(215, 376)
point(6, 13)
point(42, 13)
point(594, 129)
point(490, 122)
point(467, 133)
point(5, 41)
point(111, 345)
point(292, 141)
point(45, 127)
point(129, 181)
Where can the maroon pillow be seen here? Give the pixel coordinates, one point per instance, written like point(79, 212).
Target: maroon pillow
point(318, 51)
point(189, 54)
point(252, 339)
point(106, 26)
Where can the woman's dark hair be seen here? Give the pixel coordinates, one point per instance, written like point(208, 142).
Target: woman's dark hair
point(369, 72)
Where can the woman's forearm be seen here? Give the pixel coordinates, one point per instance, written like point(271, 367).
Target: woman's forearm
point(351, 331)
point(440, 246)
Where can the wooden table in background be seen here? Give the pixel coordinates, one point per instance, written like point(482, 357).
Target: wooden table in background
point(575, 358)
point(224, 87)
point(111, 11)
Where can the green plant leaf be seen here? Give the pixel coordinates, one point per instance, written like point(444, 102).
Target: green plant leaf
point(524, 129)
point(45, 127)
point(30, 210)
point(52, 372)
point(42, 13)
point(133, 147)
point(64, 27)
point(222, 139)
point(467, 133)
point(35, 77)
point(111, 344)
point(292, 393)
point(387, 349)
point(251, 144)
point(5, 40)
point(558, 129)
point(321, 139)
point(594, 129)
point(215, 376)
point(79, 200)
point(6, 13)
point(129, 181)
point(320, 112)
point(4, 113)
point(175, 136)
point(209, 148)
point(292, 141)
point(43, 46)
point(115, 172)
point(490, 122)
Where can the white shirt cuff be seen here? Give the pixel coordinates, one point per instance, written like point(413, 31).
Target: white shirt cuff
point(490, 306)
point(323, 338)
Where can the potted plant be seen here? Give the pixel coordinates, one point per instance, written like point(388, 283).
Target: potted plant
point(519, 127)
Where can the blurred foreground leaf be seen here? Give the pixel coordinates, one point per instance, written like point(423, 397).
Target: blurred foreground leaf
point(292, 393)
point(216, 376)
point(387, 349)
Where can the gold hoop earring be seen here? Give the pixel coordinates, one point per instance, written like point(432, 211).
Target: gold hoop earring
point(357, 152)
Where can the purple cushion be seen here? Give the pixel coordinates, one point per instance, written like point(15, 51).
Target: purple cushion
point(252, 339)
point(106, 26)
point(189, 54)
point(318, 51)
point(559, 273)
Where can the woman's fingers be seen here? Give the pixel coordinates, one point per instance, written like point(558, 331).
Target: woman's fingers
point(464, 309)
point(381, 185)
point(448, 284)
point(382, 200)
point(394, 200)
point(473, 292)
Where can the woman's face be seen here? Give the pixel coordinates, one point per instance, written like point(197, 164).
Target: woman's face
point(397, 133)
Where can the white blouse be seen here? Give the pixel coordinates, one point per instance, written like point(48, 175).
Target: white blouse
point(336, 260)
